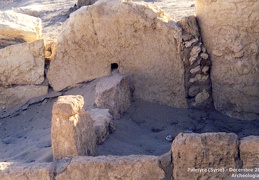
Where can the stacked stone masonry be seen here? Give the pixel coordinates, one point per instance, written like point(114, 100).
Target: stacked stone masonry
point(196, 65)
point(229, 30)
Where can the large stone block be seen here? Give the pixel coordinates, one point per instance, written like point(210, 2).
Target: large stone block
point(72, 131)
point(113, 93)
point(20, 94)
point(249, 151)
point(16, 27)
point(231, 37)
point(140, 38)
point(103, 124)
point(204, 156)
point(22, 64)
point(39, 171)
point(112, 167)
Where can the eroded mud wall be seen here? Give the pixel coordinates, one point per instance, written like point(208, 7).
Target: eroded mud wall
point(230, 31)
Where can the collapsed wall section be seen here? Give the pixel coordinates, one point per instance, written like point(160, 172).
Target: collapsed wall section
point(230, 31)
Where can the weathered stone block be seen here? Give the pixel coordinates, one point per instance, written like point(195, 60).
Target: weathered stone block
point(22, 64)
point(103, 123)
point(50, 49)
point(113, 93)
point(249, 151)
point(39, 171)
point(16, 27)
point(140, 38)
point(192, 153)
point(72, 131)
point(201, 97)
point(20, 94)
point(112, 167)
point(230, 37)
point(166, 164)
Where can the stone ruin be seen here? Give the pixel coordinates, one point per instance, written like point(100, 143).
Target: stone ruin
point(198, 62)
point(166, 61)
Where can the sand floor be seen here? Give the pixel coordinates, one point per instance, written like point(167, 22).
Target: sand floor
point(25, 133)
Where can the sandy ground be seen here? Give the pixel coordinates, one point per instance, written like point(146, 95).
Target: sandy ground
point(25, 129)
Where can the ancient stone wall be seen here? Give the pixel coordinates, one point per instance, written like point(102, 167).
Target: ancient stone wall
point(197, 65)
point(164, 59)
point(230, 31)
point(193, 156)
point(141, 40)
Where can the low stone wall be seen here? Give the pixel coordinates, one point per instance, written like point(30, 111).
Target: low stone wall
point(22, 73)
point(193, 156)
point(229, 29)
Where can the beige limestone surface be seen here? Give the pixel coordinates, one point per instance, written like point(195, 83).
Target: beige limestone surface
point(25, 134)
point(29, 171)
point(22, 64)
point(139, 37)
point(12, 96)
point(18, 27)
point(229, 30)
point(113, 93)
point(203, 151)
point(103, 123)
point(72, 131)
point(113, 167)
point(249, 151)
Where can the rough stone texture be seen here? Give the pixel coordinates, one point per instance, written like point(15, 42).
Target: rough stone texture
point(72, 131)
point(112, 167)
point(140, 38)
point(103, 124)
point(166, 164)
point(28, 171)
point(20, 94)
point(50, 49)
point(249, 151)
point(232, 38)
point(16, 28)
point(113, 93)
point(201, 97)
point(197, 66)
point(203, 151)
point(22, 64)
